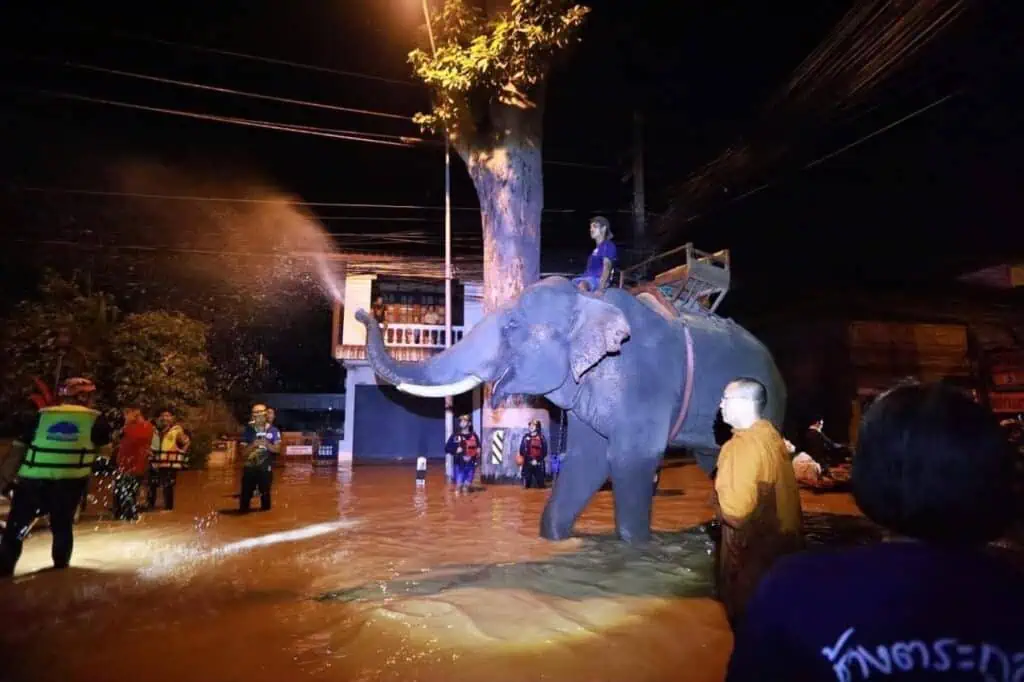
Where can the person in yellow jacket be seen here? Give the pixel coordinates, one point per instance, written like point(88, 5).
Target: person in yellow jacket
point(168, 456)
point(758, 501)
point(57, 455)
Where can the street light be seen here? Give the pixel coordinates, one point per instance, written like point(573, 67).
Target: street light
point(447, 233)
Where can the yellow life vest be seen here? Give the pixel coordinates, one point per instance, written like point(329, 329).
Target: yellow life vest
point(62, 447)
point(165, 453)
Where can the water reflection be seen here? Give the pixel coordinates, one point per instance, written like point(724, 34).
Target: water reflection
point(359, 574)
point(674, 565)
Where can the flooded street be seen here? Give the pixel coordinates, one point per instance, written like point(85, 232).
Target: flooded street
point(357, 574)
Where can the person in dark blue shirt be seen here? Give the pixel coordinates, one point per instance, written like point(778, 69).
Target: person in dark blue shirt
point(933, 602)
point(262, 443)
point(602, 259)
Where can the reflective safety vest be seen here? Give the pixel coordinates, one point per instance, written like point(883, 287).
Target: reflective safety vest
point(165, 453)
point(62, 447)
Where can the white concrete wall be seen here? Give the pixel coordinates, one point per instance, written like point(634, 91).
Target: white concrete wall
point(358, 290)
point(473, 310)
point(357, 295)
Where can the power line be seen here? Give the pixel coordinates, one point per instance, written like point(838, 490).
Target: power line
point(830, 155)
point(251, 123)
point(403, 141)
point(231, 91)
point(384, 264)
point(254, 200)
point(261, 58)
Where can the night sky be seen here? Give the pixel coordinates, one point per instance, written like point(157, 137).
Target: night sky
point(928, 198)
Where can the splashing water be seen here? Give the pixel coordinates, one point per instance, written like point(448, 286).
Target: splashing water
point(170, 563)
point(263, 250)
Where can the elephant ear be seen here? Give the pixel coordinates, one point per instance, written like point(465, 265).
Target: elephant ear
point(598, 328)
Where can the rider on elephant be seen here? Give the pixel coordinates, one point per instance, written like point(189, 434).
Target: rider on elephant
point(602, 259)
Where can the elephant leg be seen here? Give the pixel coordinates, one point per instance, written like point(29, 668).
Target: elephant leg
point(633, 473)
point(583, 471)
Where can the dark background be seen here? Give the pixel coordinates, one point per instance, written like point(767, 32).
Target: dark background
point(923, 201)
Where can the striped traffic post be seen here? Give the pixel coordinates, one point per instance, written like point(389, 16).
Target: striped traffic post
point(497, 446)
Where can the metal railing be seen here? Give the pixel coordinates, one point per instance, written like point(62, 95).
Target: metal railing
point(404, 335)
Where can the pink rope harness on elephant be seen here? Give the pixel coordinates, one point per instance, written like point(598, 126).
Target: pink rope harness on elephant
point(687, 389)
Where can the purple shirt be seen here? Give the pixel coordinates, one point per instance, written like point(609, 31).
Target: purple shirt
point(890, 611)
point(595, 263)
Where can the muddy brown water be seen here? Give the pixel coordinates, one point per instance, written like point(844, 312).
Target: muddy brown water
point(357, 574)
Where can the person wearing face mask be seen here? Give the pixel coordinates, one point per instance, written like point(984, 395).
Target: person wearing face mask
point(464, 446)
point(533, 451)
point(757, 499)
point(262, 443)
point(167, 457)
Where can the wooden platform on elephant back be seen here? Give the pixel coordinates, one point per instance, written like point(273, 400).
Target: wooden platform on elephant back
point(697, 284)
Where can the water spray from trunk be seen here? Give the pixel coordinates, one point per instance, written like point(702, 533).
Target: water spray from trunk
point(269, 243)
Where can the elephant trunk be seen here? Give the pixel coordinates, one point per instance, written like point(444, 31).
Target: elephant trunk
point(456, 370)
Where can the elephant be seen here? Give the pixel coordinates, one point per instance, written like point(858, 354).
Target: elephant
point(632, 381)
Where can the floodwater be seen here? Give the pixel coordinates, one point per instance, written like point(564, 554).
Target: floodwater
point(358, 574)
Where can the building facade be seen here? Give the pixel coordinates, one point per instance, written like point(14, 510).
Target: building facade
point(838, 356)
point(382, 424)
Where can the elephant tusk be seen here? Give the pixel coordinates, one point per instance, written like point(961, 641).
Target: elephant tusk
point(442, 391)
point(497, 382)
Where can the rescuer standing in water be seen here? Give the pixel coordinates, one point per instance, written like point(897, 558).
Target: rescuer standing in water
point(57, 455)
point(262, 442)
point(464, 446)
point(133, 450)
point(167, 458)
point(533, 452)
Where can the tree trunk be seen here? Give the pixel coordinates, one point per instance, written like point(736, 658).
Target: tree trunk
point(510, 186)
point(508, 177)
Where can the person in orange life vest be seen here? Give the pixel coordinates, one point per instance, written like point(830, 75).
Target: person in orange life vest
point(533, 450)
point(464, 446)
point(167, 457)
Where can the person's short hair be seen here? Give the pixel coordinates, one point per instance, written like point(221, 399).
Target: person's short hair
point(932, 464)
point(604, 224)
point(169, 410)
point(753, 389)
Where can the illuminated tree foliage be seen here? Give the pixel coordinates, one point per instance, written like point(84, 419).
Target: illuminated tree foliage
point(486, 71)
point(487, 79)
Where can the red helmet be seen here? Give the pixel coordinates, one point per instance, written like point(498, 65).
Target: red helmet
point(76, 386)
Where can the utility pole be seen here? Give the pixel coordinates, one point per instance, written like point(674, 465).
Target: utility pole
point(639, 209)
point(448, 426)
